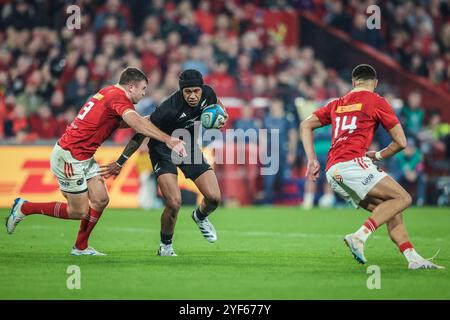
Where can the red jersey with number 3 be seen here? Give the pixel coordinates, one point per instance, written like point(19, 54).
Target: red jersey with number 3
point(95, 122)
point(354, 119)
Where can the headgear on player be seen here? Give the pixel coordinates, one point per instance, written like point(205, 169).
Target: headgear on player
point(190, 78)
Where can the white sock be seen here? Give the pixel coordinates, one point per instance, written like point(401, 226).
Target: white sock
point(308, 200)
point(363, 233)
point(411, 254)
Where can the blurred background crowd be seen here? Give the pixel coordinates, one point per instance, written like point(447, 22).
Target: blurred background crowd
point(47, 71)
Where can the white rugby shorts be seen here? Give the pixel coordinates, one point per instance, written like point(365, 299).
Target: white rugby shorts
point(72, 174)
point(352, 180)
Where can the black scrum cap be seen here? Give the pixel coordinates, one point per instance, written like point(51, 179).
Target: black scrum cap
point(190, 78)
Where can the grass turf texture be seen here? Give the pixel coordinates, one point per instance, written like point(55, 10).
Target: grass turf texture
point(262, 253)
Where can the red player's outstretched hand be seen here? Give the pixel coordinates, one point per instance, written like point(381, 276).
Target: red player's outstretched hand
point(312, 170)
point(110, 170)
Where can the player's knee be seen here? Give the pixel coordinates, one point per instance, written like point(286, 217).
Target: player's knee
point(404, 197)
point(78, 212)
point(214, 199)
point(173, 203)
point(407, 199)
point(101, 203)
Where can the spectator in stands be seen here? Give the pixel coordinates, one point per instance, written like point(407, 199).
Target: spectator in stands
point(204, 18)
point(112, 9)
point(338, 16)
point(247, 120)
point(43, 124)
point(17, 121)
point(57, 104)
point(224, 84)
point(80, 88)
point(436, 136)
point(20, 15)
point(196, 61)
point(285, 148)
point(361, 33)
point(407, 168)
point(30, 98)
point(413, 114)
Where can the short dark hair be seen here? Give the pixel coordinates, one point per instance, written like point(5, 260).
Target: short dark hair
point(364, 72)
point(132, 75)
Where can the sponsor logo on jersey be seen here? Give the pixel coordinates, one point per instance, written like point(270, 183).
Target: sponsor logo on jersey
point(367, 180)
point(349, 108)
point(203, 104)
point(182, 115)
point(98, 96)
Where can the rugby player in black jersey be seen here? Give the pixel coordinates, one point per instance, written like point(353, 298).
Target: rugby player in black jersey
point(179, 111)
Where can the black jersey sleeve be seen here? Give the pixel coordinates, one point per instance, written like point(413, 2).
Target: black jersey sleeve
point(161, 116)
point(210, 95)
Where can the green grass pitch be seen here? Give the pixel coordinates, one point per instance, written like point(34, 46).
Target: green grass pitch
point(262, 253)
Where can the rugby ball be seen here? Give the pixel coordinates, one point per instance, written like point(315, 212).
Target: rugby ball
point(213, 116)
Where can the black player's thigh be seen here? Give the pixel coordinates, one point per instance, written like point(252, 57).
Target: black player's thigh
point(98, 194)
point(208, 185)
point(387, 189)
point(168, 183)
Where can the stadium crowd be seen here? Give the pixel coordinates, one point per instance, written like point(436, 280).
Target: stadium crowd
point(47, 70)
point(415, 33)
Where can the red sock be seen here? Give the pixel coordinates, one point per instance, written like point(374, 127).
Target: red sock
point(371, 224)
point(405, 246)
point(52, 209)
point(86, 227)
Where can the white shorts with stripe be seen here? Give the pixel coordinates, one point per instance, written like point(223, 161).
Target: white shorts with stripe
point(72, 174)
point(352, 180)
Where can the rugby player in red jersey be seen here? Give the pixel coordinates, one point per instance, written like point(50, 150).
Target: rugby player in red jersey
point(72, 159)
point(350, 170)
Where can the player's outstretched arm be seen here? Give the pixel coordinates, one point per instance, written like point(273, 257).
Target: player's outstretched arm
point(124, 125)
point(306, 134)
point(148, 129)
point(398, 144)
point(113, 169)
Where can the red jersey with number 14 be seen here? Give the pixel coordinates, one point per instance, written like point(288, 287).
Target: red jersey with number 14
point(354, 119)
point(95, 122)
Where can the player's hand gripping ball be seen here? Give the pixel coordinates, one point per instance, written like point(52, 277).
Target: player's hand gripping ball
point(213, 116)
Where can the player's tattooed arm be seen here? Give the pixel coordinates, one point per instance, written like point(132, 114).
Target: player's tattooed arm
point(148, 129)
point(133, 145)
point(113, 169)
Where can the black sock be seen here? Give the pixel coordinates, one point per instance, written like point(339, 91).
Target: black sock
point(200, 216)
point(166, 238)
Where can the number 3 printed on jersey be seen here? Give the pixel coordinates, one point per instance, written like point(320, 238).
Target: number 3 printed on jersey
point(87, 107)
point(345, 126)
